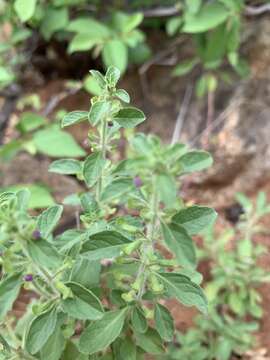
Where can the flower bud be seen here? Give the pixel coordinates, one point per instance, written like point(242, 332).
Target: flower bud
point(28, 277)
point(110, 123)
point(137, 181)
point(36, 235)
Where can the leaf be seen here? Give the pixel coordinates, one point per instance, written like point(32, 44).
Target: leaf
point(57, 143)
point(30, 121)
point(180, 287)
point(25, 9)
point(116, 189)
point(128, 350)
point(44, 254)
point(166, 189)
point(55, 19)
point(81, 42)
point(150, 342)
point(164, 323)
point(40, 329)
point(83, 305)
point(209, 16)
point(9, 291)
point(92, 168)
point(112, 75)
point(138, 320)
point(66, 166)
point(114, 53)
point(49, 219)
point(54, 346)
point(91, 85)
point(122, 95)
point(100, 334)
point(86, 272)
point(87, 25)
point(173, 25)
point(105, 244)
point(180, 243)
point(185, 67)
point(74, 117)
point(129, 117)
point(195, 218)
point(195, 161)
point(98, 112)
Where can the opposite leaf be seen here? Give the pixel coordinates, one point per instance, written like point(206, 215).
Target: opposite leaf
point(74, 117)
point(129, 117)
point(92, 168)
point(100, 334)
point(9, 291)
point(195, 161)
point(66, 166)
point(49, 219)
point(164, 322)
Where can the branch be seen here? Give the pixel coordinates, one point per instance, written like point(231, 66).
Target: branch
point(161, 11)
point(253, 10)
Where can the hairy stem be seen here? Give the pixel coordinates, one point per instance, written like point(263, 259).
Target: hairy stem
point(103, 145)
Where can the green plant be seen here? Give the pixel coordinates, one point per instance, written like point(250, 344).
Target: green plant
point(232, 292)
point(99, 285)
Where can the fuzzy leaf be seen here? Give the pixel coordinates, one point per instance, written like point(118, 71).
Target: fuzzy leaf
point(43, 253)
point(9, 291)
point(164, 322)
point(74, 117)
point(98, 111)
point(129, 117)
point(49, 219)
point(115, 53)
point(25, 9)
point(66, 166)
point(150, 342)
point(138, 320)
point(195, 161)
point(92, 168)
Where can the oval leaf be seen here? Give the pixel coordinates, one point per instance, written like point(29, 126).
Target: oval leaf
point(74, 117)
point(129, 117)
point(66, 166)
point(49, 219)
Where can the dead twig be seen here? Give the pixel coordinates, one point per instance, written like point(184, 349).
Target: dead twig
point(181, 115)
point(257, 10)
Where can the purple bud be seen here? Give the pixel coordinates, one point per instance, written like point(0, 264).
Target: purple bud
point(28, 277)
point(36, 235)
point(137, 181)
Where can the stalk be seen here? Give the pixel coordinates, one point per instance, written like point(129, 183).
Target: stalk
point(103, 145)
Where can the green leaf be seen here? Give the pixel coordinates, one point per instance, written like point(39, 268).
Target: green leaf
point(193, 6)
point(129, 117)
point(54, 346)
point(55, 19)
point(40, 329)
point(30, 121)
point(185, 67)
point(138, 320)
point(74, 117)
point(116, 189)
point(195, 218)
point(105, 244)
point(209, 16)
point(44, 254)
point(150, 342)
point(81, 42)
point(112, 75)
point(9, 291)
point(180, 287)
point(98, 112)
point(25, 9)
point(57, 143)
point(92, 168)
point(100, 334)
point(195, 161)
point(100, 79)
point(93, 28)
point(128, 350)
point(166, 188)
point(173, 25)
point(83, 305)
point(49, 219)
point(114, 53)
point(122, 95)
point(66, 166)
point(86, 272)
point(180, 243)
point(164, 323)
point(91, 85)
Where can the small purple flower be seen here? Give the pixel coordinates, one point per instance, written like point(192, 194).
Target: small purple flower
point(36, 235)
point(28, 277)
point(137, 181)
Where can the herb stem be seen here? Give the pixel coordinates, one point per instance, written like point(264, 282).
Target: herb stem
point(103, 146)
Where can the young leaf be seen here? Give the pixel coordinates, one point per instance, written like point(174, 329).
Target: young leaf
point(150, 342)
point(83, 305)
point(25, 9)
point(195, 218)
point(195, 161)
point(164, 322)
point(98, 111)
point(49, 219)
point(185, 67)
point(180, 243)
point(66, 166)
point(116, 189)
point(101, 333)
point(184, 290)
point(9, 291)
point(40, 329)
point(74, 117)
point(100, 79)
point(138, 320)
point(86, 273)
point(81, 42)
point(115, 53)
point(166, 188)
point(128, 350)
point(129, 117)
point(92, 168)
point(54, 346)
point(122, 95)
point(30, 121)
point(112, 75)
